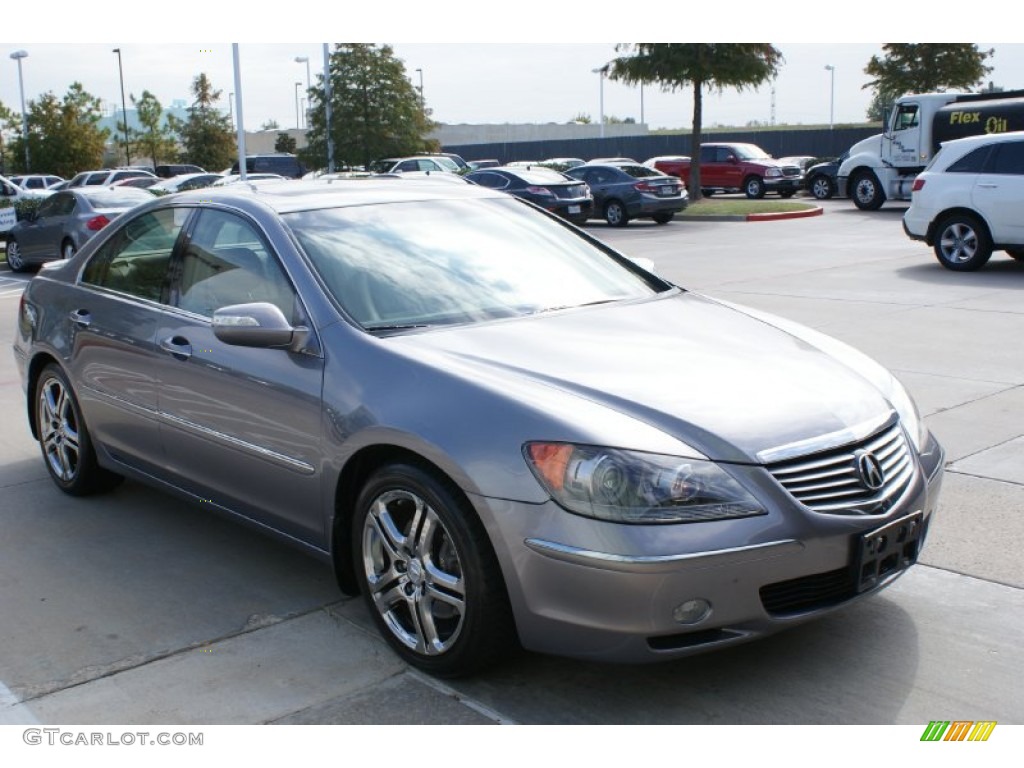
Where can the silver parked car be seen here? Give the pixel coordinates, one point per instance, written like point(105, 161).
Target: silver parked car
point(65, 221)
point(495, 427)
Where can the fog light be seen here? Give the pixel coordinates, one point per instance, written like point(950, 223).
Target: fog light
point(692, 611)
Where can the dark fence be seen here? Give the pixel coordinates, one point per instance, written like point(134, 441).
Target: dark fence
point(817, 142)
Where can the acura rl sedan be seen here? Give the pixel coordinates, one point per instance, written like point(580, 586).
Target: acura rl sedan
point(499, 430)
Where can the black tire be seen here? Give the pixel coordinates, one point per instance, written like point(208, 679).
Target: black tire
point(1015, 253)
point(707, 192)
point(866, 191)
point(787, 194)
point(67, 249)
point(14, 259)
point(962, 243)
point(663, 218)
point(615, 214)
point(822, 187)
point(64, 439)
point(421, 553)
point(753, 187)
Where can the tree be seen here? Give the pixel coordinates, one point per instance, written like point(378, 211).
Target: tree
point(206, 134)
point(881, 104)
point(375, 110)
point(699, 65)
point(270, 125)
point(63, 135)
point(156, 138)
point(923, 68)
point(284, 143)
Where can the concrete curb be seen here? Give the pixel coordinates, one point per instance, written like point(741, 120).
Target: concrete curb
point(816, 211)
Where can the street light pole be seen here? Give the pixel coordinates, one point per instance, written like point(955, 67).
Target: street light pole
point(423, 104)
point(602, 71)
point(124, 108)
point(832, 97)
point(298, 84)
point(305, 60)
point(18, 56)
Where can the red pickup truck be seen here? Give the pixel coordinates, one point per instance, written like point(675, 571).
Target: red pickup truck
point(737, 168)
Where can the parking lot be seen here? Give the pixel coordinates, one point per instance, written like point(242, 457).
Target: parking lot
point(134, 608)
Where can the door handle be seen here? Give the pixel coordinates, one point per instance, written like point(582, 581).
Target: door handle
point(178, 347)
point(989, 186)
point(80, 317)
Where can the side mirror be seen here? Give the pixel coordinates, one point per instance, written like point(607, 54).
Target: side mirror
point(259, 324)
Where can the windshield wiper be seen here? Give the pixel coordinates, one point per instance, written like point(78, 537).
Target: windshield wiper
point(395, 327)
point(571, 306)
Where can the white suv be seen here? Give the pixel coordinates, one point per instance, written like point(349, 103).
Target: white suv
point(968, 201)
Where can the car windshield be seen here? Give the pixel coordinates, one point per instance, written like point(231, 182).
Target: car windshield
point(450, 262)
point(447, 162)
point(750, 152)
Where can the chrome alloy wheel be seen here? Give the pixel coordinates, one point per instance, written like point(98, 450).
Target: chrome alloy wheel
point(959, 243)
point(58, 429)
point(413, 572)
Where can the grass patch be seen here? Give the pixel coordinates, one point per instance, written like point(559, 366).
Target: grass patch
point(707, 207)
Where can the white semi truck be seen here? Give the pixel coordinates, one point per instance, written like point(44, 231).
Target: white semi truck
point(884, 167)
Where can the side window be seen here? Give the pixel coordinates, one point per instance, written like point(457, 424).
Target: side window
point(707, 154)
point(1008, 158)
point(408, 165)
point(972, 162)
point(136, 259)
point(96, 178)
point(225, 263)
point(491, 180)
point(7, 190)
point(49, 207)
point(906, 117)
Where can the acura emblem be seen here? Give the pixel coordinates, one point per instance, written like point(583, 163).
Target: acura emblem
point(870, 470)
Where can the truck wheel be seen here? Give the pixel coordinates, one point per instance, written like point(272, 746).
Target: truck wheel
point(754, 188)
point(1015, 253)
point(707, 192)
point(962, 243)
point(821, 188)
point(867, 191)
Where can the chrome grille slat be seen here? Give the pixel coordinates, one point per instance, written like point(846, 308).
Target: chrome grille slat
point(830, 481)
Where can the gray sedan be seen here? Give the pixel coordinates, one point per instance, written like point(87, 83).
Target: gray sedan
point(497, 429)
point(65, 221)
point(625, 190)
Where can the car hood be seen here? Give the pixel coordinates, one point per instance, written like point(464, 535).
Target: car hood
point(708, 374)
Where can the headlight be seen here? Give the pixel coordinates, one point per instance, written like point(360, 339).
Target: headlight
point(632, 487)
point(907, 409)
point(773, 172)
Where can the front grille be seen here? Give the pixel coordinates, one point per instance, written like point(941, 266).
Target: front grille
point(808, 593)
point(790, 170)
point(831, 482)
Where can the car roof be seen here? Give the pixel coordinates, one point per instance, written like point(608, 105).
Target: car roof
point(299, 195)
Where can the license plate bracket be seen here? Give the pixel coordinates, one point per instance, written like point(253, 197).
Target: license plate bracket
point(889, 549)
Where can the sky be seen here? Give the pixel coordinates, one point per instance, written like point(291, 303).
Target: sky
point(533, 66)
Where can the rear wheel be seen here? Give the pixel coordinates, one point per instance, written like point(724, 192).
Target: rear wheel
point(64, 439)
point(428, 573)
point(615, 214)
point(962, 243)
point(663, 218)
point(14, 259)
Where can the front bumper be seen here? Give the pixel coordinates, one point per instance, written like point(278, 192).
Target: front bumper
point(608, 592)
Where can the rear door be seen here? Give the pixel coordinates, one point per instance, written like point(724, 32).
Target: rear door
point(999, 192)
point(113, 317)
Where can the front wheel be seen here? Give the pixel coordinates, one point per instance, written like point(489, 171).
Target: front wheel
point(428, 573)
point(14, 258)
point(663, 218)
point(962, 243)
point(64, 439)
point(615, 214)
point(822, 188)
point(867, 191)
point(754, 188)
